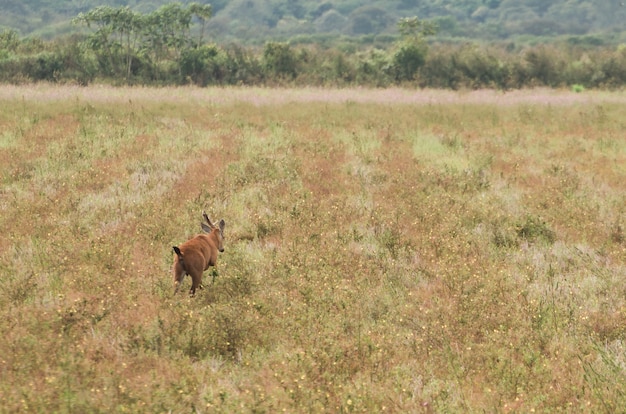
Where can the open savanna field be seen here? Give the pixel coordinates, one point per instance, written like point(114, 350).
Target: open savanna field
point(386, 250)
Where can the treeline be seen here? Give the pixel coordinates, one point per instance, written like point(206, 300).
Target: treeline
point(167, 47)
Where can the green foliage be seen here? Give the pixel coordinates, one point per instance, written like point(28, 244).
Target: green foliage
point(258, 21)
point(115, 38)
point(544, 66)
point(9, 41)
point(203, 12)
point(166, 47)
point(410, 53)
point(203, 65)
point(280, 60)
point(407, 59)
point(415, 30)
point(129, 44)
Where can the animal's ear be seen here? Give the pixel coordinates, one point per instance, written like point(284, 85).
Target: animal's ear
point(222, 225)
point(206, 227)
point(207, 219)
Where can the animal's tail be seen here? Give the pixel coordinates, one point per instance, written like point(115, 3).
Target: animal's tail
point(181, 259)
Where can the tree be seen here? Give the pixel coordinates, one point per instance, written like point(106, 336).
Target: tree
point(9, 41)
point(202, 65)
point(167, 31)
point(415, 30)
point(203, 12)
point(115, 40)
point(123, 37)
point(410, 53)
point(279, 59)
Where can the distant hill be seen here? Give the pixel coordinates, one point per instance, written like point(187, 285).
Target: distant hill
point(250, 21)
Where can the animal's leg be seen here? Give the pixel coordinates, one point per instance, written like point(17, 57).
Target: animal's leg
point(179, 275)
point(196, 280)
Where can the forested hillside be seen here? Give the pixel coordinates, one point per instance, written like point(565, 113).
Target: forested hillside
point(465, 44)
point(249, 21)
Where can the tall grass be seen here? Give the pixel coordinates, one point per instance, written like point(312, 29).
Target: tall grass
point(429, 252)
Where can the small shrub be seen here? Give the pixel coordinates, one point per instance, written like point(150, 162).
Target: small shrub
point(533, 229)
point(502, 238)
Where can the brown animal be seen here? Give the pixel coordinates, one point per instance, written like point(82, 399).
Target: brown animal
point(196, 255)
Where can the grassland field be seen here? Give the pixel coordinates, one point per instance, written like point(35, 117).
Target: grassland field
point(390, 250)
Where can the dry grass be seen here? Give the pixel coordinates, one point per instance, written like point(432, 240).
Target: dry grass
point(387, 250)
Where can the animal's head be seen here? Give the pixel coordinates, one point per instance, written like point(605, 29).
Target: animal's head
point(213, 229)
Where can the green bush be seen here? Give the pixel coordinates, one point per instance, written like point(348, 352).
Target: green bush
point(407, 59)
point(202, 66)
point(280, 60)
point(317, 60)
